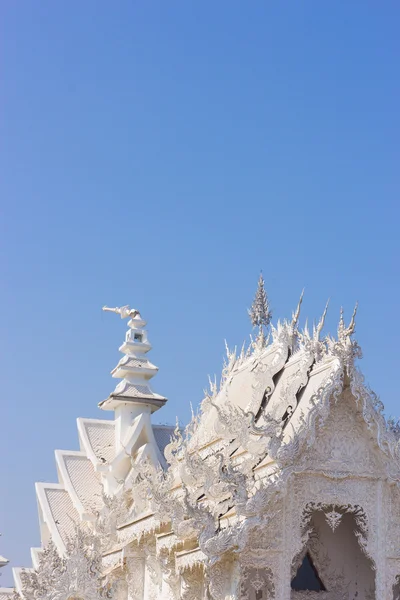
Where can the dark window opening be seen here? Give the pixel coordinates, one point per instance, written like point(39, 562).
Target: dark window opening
point(307, 578)
point(138, 337)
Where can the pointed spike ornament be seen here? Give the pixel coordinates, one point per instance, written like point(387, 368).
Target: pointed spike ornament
point(341, 326)
point(296, 315)
point(260, 313)
point(343, 331)
point(318, 329)
point(352, 325)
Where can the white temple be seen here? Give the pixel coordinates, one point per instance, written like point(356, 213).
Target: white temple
point(285, 485)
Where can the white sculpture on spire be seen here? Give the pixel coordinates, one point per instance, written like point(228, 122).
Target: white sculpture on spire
point(124, 311)
point(260, 313)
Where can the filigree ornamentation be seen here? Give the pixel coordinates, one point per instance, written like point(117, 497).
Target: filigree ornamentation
point(333, 518)
point(192, 584)
point(258, 582)
point(135, 572)
point(77, 575)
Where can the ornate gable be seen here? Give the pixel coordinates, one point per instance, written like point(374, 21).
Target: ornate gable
point(285, 485)
point(343, 443)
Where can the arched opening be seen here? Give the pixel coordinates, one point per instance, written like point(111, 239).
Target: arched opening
point(257, 584)
point(334, 563)
point(307, 577)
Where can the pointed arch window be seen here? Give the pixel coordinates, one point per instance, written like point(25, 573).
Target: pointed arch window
point(307, 577)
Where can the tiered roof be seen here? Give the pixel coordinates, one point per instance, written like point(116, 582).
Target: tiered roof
point(264, 411)
point(134, 368)
point(103, 460)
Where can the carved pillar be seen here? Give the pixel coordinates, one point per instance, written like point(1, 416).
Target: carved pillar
point(234, 571)
point(135, 574)
point(191, 584)
point(224, 580)
point(152, 575)
point(169, 578)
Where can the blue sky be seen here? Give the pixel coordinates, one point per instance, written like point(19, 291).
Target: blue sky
point(161, 154)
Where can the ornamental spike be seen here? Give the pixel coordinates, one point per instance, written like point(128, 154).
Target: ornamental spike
point(321, 322)
point(341, 326)
point(296, 315)
point(344, 331)
point(352, 325)
point(306, 328)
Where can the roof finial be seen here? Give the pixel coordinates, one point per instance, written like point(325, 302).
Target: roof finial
point(352, 325)
point(321, 322)
point(295, 315)
point(341, 325)
point(344, 331)
point(260, 313)
point(124, 311)
point(135, 371)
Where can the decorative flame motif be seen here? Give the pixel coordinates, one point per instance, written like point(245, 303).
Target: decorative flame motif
point(258, 582)
point(333, 518)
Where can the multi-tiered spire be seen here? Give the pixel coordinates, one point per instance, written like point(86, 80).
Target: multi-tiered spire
point(260, 313)
point(133, 395)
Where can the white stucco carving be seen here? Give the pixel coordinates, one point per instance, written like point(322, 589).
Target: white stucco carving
point(285, 485)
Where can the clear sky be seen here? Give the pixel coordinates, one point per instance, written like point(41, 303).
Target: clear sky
point(161, 154)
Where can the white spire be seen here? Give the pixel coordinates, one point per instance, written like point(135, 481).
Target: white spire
point(134, 368)
point(260, 313)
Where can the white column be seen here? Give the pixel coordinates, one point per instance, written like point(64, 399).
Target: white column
point(152, 573)
point(169, 578)
point(224, 578)
point(234, 580)
point(135, 566)
point(192, 584)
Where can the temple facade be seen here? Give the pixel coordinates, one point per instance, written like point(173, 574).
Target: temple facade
point(285, 485)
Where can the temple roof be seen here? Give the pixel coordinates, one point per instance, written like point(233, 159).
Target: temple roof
point(107, 452)
point(129, 365)
point(276, 379)
point(274, 385)
point(79, 493)
point(97, 439)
